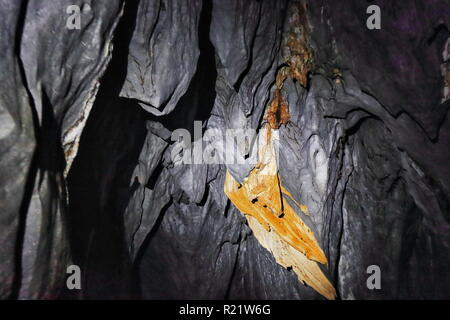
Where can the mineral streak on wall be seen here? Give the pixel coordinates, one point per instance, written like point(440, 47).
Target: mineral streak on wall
point(262, 197)
point(278, 227)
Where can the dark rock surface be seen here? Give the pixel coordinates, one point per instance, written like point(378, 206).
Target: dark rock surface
point(87, 178)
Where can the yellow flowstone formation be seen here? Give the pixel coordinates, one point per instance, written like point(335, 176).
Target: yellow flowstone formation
point(274, 222)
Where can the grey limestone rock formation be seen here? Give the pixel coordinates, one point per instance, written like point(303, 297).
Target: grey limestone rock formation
point(87, 175)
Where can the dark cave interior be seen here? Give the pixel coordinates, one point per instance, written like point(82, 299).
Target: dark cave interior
point(365, 149)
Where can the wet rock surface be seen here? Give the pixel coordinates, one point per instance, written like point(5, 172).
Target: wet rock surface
point(87, 176)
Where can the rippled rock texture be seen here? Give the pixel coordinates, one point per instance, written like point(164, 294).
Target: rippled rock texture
point(87, 177)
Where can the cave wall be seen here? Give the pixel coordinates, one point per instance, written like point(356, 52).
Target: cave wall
point(87, 177)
